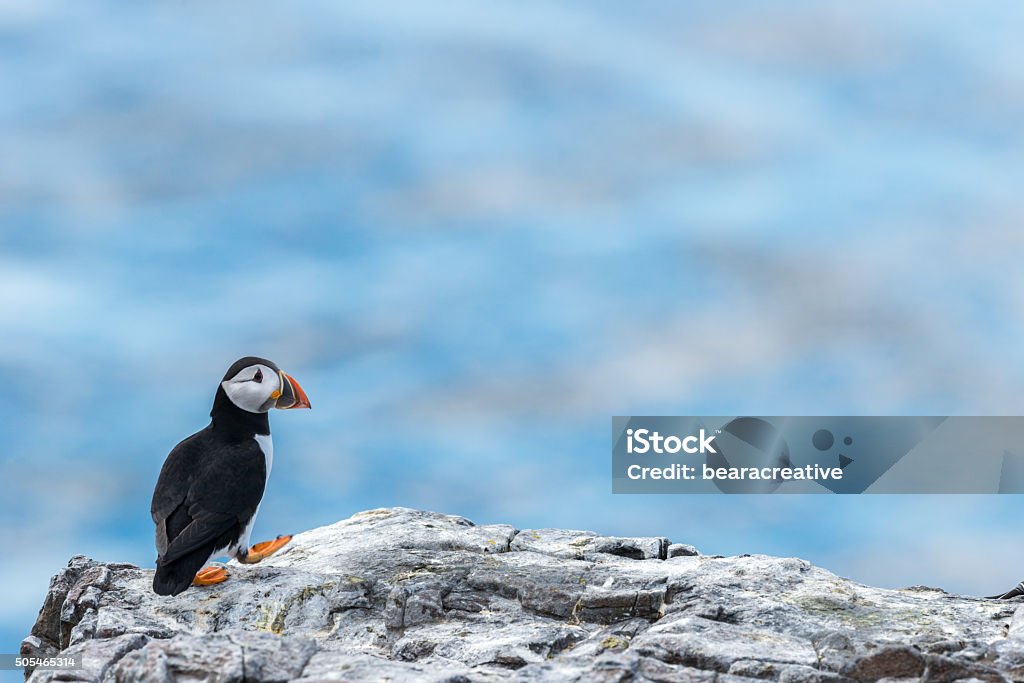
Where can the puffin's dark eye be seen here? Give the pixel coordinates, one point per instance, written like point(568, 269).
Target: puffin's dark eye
point(258, 377)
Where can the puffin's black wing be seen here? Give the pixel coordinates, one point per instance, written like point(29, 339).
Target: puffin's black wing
point(207, 491)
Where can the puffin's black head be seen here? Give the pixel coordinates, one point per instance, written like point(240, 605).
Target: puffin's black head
point(256, 385)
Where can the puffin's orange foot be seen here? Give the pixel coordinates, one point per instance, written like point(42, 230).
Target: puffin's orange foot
point(265, 549)
point(210, 575)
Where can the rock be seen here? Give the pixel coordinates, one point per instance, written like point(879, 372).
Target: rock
point(682, 550)
point(890, 662)
point(404, 595)
point(582, 545)
point(1017, 623)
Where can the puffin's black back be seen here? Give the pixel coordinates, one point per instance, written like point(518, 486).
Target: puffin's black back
point(209, 489)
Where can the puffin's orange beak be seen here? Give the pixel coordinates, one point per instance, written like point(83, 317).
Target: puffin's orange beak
point(292, 395)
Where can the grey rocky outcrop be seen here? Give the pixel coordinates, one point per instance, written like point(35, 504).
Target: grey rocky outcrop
point(404, 595)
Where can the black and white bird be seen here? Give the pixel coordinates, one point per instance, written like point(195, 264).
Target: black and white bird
point(211, 484)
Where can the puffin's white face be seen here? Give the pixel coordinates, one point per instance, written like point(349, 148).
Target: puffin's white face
point(255, 388)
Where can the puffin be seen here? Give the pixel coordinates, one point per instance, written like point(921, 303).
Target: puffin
point(211, 484)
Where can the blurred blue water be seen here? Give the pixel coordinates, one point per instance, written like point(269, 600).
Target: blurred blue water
point(475, 234)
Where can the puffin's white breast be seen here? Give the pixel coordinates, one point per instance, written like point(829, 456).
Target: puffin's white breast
point(267, 446)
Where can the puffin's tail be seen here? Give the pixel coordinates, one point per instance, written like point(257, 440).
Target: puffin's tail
point(174, 577)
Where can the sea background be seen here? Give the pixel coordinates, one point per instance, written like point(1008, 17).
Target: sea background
point(475, 232)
